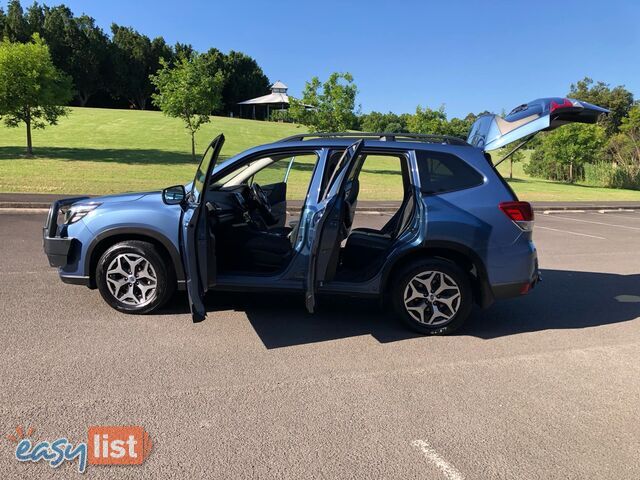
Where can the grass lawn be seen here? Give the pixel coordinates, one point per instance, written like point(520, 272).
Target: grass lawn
point(537, 189)
point(99, 151)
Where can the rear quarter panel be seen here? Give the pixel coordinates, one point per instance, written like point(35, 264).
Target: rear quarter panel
point(471, 217)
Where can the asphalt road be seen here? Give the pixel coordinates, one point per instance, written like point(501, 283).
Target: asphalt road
point(546, 386)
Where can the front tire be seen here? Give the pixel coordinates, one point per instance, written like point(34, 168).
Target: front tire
point(432, 296)
point(133, 277)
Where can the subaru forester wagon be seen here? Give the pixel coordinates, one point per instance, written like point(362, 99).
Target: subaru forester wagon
point(459, 236)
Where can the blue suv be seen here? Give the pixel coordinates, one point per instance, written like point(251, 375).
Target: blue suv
point(459, 236)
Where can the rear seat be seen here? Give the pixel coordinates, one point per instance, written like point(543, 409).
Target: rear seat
point(364, 245)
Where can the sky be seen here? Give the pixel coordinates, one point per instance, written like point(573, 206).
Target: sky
point(469, 56)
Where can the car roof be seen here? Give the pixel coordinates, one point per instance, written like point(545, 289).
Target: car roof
point(292, 143)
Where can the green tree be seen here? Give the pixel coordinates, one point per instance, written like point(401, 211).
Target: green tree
point(618, 100)
point(15, 25)
point(383, 122)
point(188, 92)
point(515, 157)
point(135, 58)
point(328, 106)
point(631, 123)
point(562, 154)
point(428, 121)
point(32, 90)
point(90, 63)
point(244, 79)
point(459, 127)
point(183, 50)
point(35, 19)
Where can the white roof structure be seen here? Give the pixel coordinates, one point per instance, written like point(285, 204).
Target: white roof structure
point(277, 96)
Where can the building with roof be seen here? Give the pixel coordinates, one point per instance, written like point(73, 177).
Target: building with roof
point(262, 107)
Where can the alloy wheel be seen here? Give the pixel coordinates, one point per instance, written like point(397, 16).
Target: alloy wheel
point(132, 280)
point(432, 298)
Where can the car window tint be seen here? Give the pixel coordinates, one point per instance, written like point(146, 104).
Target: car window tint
point(443, 172)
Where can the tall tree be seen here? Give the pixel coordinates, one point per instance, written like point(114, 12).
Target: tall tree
point(181, 50)
point(32, 90)
point(328, 106)
point(15, 25)
point(3, 20)
point(57, 30)
point(35, 19)
point(188, 92)
point(244, 79)
point(135, 58)
point(90, 63)
point(618, 100)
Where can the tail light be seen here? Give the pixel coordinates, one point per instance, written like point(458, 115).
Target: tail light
point(566, 103)
point(520, 213)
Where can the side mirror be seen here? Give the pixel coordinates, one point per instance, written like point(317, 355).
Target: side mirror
point(174, 195)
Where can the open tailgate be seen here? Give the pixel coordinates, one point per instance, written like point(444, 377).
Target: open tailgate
point(490, 131)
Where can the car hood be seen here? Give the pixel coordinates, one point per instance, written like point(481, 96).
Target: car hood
point(117, 198)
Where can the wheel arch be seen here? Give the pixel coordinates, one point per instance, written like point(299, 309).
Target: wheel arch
point(108, 238)
point(456, 253)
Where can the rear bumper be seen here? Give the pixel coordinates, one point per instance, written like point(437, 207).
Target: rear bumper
point(510, 290)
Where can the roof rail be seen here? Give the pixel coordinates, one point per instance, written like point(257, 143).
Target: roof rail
point(383, 136)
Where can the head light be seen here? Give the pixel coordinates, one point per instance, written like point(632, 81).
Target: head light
point(78, 212)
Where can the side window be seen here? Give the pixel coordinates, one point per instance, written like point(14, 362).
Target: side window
point(381, 177)
point(273, 173)
point(443, 172)
point(293, 169)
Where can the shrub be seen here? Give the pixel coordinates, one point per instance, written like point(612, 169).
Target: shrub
point(563, 153)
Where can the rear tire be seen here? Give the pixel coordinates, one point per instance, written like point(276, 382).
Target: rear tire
point(133, 277)
point(432, 296)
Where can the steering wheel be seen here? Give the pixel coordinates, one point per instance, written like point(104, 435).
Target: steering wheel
point(262, 202)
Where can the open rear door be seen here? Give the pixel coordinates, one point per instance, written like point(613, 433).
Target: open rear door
point(328, 227)
point(490, 132)
point(196, 242)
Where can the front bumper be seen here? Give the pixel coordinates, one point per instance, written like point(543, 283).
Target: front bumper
point(57, 250)
point(56, 245)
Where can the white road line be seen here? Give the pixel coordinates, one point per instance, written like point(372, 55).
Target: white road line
point(434, 457)
point(614, 216)
point(567, 231)
point(597, 223)
point(550, 212)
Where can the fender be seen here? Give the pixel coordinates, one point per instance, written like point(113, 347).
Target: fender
point(137, 231)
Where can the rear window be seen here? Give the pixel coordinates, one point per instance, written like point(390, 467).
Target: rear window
point(443, 172)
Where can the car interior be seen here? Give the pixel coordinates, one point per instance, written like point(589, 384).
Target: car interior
point(248, 216)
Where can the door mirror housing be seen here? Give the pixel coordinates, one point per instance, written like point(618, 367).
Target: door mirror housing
point(174, 195)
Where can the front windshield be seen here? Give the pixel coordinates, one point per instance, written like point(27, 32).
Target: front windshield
point(201, 174)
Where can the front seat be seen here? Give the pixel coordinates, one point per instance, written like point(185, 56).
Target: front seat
point(269, 250)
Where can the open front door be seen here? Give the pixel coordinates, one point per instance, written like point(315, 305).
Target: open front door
point(490, 132)
point(197, 244)
point(330, 224)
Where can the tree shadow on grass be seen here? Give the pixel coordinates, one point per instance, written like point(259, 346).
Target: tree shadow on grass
point(107, 155)
point(124, 156)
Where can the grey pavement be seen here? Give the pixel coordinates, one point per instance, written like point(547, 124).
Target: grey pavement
point(540, 387)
